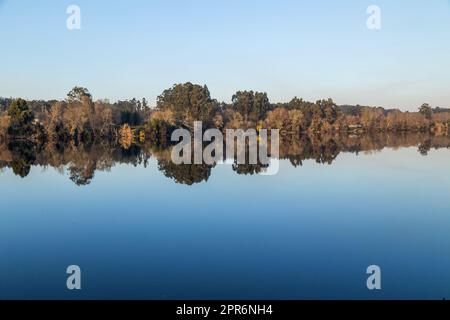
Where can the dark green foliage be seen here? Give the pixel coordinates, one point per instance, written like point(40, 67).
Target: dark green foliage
point(426, 110)
point(144, 104)
point(253, 106)
point(441, 110)
point(81, 176)
point(299, 104)
point(425, 147)
point(249, 169)
point(78, 93)
point(351, 110)
point(131, 112)
point(23, 157)
point(327, 110)
point(131, 117)
point(188, 103)
point(158, 132)
point(21, 119)
point(4, 103)
point(185, 174)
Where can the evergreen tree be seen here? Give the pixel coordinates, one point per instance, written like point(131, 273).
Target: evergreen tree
point(21, 118)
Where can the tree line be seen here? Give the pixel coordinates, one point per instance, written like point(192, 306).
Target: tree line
point(80, 118)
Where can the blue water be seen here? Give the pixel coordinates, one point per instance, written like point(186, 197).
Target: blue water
point(307, 233)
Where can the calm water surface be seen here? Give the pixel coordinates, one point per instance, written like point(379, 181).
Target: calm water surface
point(309, 232)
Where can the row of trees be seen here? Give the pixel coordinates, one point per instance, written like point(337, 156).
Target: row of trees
point(79, 117)
point(182, 104)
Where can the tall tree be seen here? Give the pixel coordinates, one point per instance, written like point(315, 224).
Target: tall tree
point(79, 112)
point(144, 104)
point(426, 110)
point(21, 118)
point(77, 94)
point(252, 105)
point(188, 103)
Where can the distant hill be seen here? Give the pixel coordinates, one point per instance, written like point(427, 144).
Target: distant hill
point(441, 110)
point(354, 110)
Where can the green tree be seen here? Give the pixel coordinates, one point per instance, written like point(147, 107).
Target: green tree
point(253, 106)
point(21, 118)
point(77, 94)
point(426, 110)
point(307, 109)
point(144, 104)
point(188, 103)
point(328, 110)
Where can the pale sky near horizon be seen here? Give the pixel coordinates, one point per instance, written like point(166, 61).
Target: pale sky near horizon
point(310, 49)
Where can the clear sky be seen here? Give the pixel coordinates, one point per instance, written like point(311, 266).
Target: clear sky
point(311, 49)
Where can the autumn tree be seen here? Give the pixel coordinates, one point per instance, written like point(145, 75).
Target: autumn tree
point(4, 124)
point(297, 122)
point(321, 116)
point(54, 122)
point(278, 119)
point(233, 119)
point(126, 136)
point(102, 119)
point(372, 119)
point(393, 120)
point(79, 111)
point(218, 121)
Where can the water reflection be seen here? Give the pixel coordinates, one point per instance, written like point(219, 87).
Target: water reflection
point(82, 161)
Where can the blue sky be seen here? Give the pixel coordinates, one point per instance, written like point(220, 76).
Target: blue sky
point(311, 49)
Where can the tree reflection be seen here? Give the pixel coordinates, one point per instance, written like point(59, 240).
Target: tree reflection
point(185, 174)
point(82, 160)
point(23, 157)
